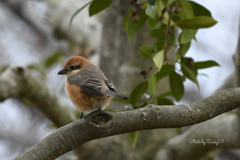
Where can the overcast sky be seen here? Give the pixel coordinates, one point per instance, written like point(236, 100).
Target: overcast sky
point(216, 43)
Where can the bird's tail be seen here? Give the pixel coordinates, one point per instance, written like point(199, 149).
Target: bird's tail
point(115, 95)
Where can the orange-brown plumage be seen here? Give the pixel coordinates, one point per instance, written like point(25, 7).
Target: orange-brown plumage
point(75, 60)
point(85, 102)
point(87, 86)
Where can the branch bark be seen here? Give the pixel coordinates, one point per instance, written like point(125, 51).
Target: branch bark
point(104, 124)
point(18, 82)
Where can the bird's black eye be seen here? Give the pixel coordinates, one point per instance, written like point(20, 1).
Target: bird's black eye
point(72, 67)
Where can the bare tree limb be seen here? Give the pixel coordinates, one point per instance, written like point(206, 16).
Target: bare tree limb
point(59, 15)
point(18, 82)
point(104, 124)
point(19, 9)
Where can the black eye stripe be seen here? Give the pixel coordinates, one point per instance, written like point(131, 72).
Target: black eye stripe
point(75, 67)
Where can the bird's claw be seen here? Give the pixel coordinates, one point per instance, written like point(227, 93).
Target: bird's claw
point(82, 116)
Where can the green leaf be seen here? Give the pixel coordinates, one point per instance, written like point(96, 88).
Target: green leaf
point(199, 10)
point(133, 26)
point(166, 94)
point(165, 71)
point(176, 85)
point(183, 50)
point(158, 59)
point(189, 62)
point(152, 84)
point(175, 17)
point(77, 11)
point(160, 45)
point(189, 74)
point(187, 35)
point(154, 48)
point(186, 10)
point(160, 6)
point(151, 10)
point(151, 2)
point(182, 78)
point(138, 91)
point(206, 64)
point(126, 18)
point(133, 137)
point(121, 101)
point(158, 33)
point(53, 59)
point(98, 5)
point(164, 101)
point(145, 51)
point(194, 69)
point(152, 22)
point(196, 22)
point(165, 2)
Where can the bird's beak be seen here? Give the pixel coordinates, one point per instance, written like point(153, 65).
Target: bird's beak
point(63, 72)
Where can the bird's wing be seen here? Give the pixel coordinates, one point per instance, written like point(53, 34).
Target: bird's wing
point(92, 87)
point(95, 87)
point(110, 86)
point(112, 92)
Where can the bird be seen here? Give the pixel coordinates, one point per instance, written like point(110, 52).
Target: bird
point(87, 86)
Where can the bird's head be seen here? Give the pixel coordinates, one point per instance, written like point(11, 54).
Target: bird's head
point(73, 66)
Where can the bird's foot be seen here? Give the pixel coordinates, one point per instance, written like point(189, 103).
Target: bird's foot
point(99, 109)
point(82, 116)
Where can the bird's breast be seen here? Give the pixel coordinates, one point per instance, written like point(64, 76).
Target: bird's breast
point(85, 102)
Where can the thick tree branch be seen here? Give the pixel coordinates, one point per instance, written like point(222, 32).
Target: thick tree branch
point(59, 15)
point(17, 82)
point(104, 124)
point(19, 9)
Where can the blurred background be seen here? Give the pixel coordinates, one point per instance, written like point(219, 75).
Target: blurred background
point(37, 34)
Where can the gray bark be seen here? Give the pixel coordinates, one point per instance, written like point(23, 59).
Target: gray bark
point(103, 124)
point(18, 82)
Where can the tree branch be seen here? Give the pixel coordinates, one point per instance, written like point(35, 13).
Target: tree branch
point(104, 124)
point(18, 82)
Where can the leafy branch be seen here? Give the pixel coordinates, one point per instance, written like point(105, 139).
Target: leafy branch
point(163, 17)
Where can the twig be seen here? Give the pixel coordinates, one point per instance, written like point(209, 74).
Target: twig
point(168, 32)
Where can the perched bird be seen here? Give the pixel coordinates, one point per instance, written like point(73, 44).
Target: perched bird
point(87, 86)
